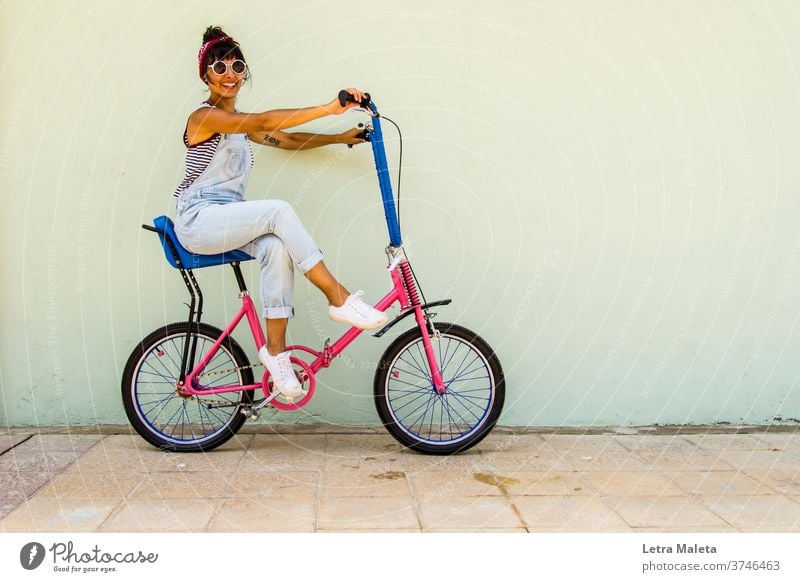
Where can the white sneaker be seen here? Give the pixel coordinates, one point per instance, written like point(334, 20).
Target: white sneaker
point(282, 372)
point(357, 313)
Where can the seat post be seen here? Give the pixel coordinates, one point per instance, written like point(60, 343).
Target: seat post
point(239, 278)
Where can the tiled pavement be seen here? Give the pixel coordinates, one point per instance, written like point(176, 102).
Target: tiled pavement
point(305, 480)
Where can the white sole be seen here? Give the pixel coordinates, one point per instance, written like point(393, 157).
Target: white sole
point(380, 323)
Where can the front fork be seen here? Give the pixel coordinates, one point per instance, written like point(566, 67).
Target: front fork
point(403, 278)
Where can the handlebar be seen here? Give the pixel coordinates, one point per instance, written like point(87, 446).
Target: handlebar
point(374, 135)
point(345, 97)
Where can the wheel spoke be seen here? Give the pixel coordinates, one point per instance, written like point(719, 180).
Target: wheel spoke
point(174, 420)
point(458, 414)
point(165, 400)
point(446, 363)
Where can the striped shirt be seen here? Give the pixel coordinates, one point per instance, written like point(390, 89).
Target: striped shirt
point(198, 157)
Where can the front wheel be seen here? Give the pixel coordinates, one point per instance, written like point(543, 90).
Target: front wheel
point(182, 423)
point(439, 424)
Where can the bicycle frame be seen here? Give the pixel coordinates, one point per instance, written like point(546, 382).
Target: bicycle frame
point(404, 292)
point(322, 359)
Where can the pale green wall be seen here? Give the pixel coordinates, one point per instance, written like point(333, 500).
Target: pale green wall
point(607, 190)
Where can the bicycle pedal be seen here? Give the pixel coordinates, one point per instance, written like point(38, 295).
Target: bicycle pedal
point(250, 414)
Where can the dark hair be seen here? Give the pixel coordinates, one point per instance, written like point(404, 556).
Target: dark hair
point(224, 49)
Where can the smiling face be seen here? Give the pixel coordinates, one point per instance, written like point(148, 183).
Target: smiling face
point(223, 82)
point(227, 84)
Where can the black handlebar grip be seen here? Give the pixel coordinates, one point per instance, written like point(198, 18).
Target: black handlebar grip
point(345, 97)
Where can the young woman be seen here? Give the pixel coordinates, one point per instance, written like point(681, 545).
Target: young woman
point(213, 217)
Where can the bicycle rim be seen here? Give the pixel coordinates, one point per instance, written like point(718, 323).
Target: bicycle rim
point(177, 419)
point(446, 419)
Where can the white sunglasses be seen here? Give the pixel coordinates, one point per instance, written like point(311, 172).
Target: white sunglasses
point(221, 67)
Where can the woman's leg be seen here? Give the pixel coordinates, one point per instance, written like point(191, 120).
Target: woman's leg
point(223, 227)
point(322, 279)
point(277, 287)
point(218, 228)
point(276, 336)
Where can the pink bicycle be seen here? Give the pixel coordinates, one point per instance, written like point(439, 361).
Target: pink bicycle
point(189, 386)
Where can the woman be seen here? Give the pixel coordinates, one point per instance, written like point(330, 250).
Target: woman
point(212, 216)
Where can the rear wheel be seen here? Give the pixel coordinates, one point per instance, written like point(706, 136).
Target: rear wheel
point(174, 422)
point(420, 418)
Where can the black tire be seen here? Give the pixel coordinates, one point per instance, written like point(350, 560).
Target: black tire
point(184, 424)
point(449, 423)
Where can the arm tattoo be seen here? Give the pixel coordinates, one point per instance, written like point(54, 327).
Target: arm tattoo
point(271, 140)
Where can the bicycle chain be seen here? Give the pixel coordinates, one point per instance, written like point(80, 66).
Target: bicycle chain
point(207, 401)
point(228, 371)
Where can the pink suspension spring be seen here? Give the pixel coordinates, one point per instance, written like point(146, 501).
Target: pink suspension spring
point(411, 287)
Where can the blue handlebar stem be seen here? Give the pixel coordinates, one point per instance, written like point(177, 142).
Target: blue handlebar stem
point(384, 181)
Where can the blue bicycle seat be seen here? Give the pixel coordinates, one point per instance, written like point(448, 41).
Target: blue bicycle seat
point(188, 260)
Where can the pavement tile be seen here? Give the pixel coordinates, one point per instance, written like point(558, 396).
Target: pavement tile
point(481, 530)
point(789, 441)
point(543, 460)
point(52, 462)
point(60, 442)
point(786, 482)
point(546, 483)
point(98, 460)
point(90, 485)
point(588, 442)
point(9, 441)
point(655, 511)
point(7, 506)
point(753, 512)
point(687, 529)
point(769, 460)
point(348, 513)
point(511, 443)
point(679, 461)
point(293, 443)
point(297, 485)
point(128, 442)
point(726, 442)
point(564, 529)
point(49, 514)
point(656, 443)
point(216, 485)
point(719, 483)
point(183, 485)
point(21, 485)
point(344, 445)
point(102, 460)
point(281, 462)
point(568, 513)
point(263, 515)
point(367, 531)
point(456, 483)
point(364, 483)
point(605, 461)
point(380, 463)
point(276, 453)
point(471, 459)
point(160, 515)
point(223, 462)
point(630, 483)
point(467, 513)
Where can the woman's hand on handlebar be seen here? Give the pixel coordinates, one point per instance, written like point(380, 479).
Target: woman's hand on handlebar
point(336, 107)
point(352, 136)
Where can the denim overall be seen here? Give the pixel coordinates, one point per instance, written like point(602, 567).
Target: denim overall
point(213, 217)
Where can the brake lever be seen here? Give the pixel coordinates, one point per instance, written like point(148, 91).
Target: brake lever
point(363, 134)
